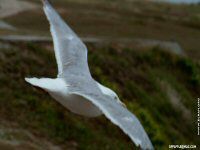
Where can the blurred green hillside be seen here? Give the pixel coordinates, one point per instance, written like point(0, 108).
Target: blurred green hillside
point(143, 81)
point(118, 19)
point(158, 86)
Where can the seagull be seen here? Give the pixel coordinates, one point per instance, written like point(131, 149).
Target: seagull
point(76, 90)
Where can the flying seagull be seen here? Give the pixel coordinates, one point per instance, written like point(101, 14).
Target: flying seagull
point(75, 88)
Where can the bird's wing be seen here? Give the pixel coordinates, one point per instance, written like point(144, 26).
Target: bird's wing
point(121, 117)
point(70, 51)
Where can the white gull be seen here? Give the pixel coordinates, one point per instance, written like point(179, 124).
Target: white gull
point(75, 88)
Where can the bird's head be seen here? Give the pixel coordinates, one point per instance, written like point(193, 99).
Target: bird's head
point(110, 93)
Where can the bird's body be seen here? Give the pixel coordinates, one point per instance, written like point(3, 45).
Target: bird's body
point(75, 88)
point(62, 91)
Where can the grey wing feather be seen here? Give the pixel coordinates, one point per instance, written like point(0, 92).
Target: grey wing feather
point(121, 117)
point(71, 56)
point(70, 51)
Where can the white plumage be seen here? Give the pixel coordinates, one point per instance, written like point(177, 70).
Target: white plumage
point(75, 88)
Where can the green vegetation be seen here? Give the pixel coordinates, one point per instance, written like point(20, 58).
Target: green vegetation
point(142, 78)
point(134, 75)
point(117, 18)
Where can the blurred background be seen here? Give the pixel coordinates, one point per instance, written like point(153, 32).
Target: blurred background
point(147, 51)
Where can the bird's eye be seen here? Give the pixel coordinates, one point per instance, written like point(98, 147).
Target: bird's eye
point(115, 97)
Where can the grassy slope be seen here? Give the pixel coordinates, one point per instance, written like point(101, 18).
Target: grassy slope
point(133, 75)
point(116, 18)
point(138, 85)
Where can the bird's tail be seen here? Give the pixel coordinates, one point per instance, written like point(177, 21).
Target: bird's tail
point(49, 85)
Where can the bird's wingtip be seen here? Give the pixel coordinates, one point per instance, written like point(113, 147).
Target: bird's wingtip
point(45, 2)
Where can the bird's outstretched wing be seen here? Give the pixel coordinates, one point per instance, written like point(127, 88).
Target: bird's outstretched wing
point(71, 56)
point(70, 51)
point(121, 117)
